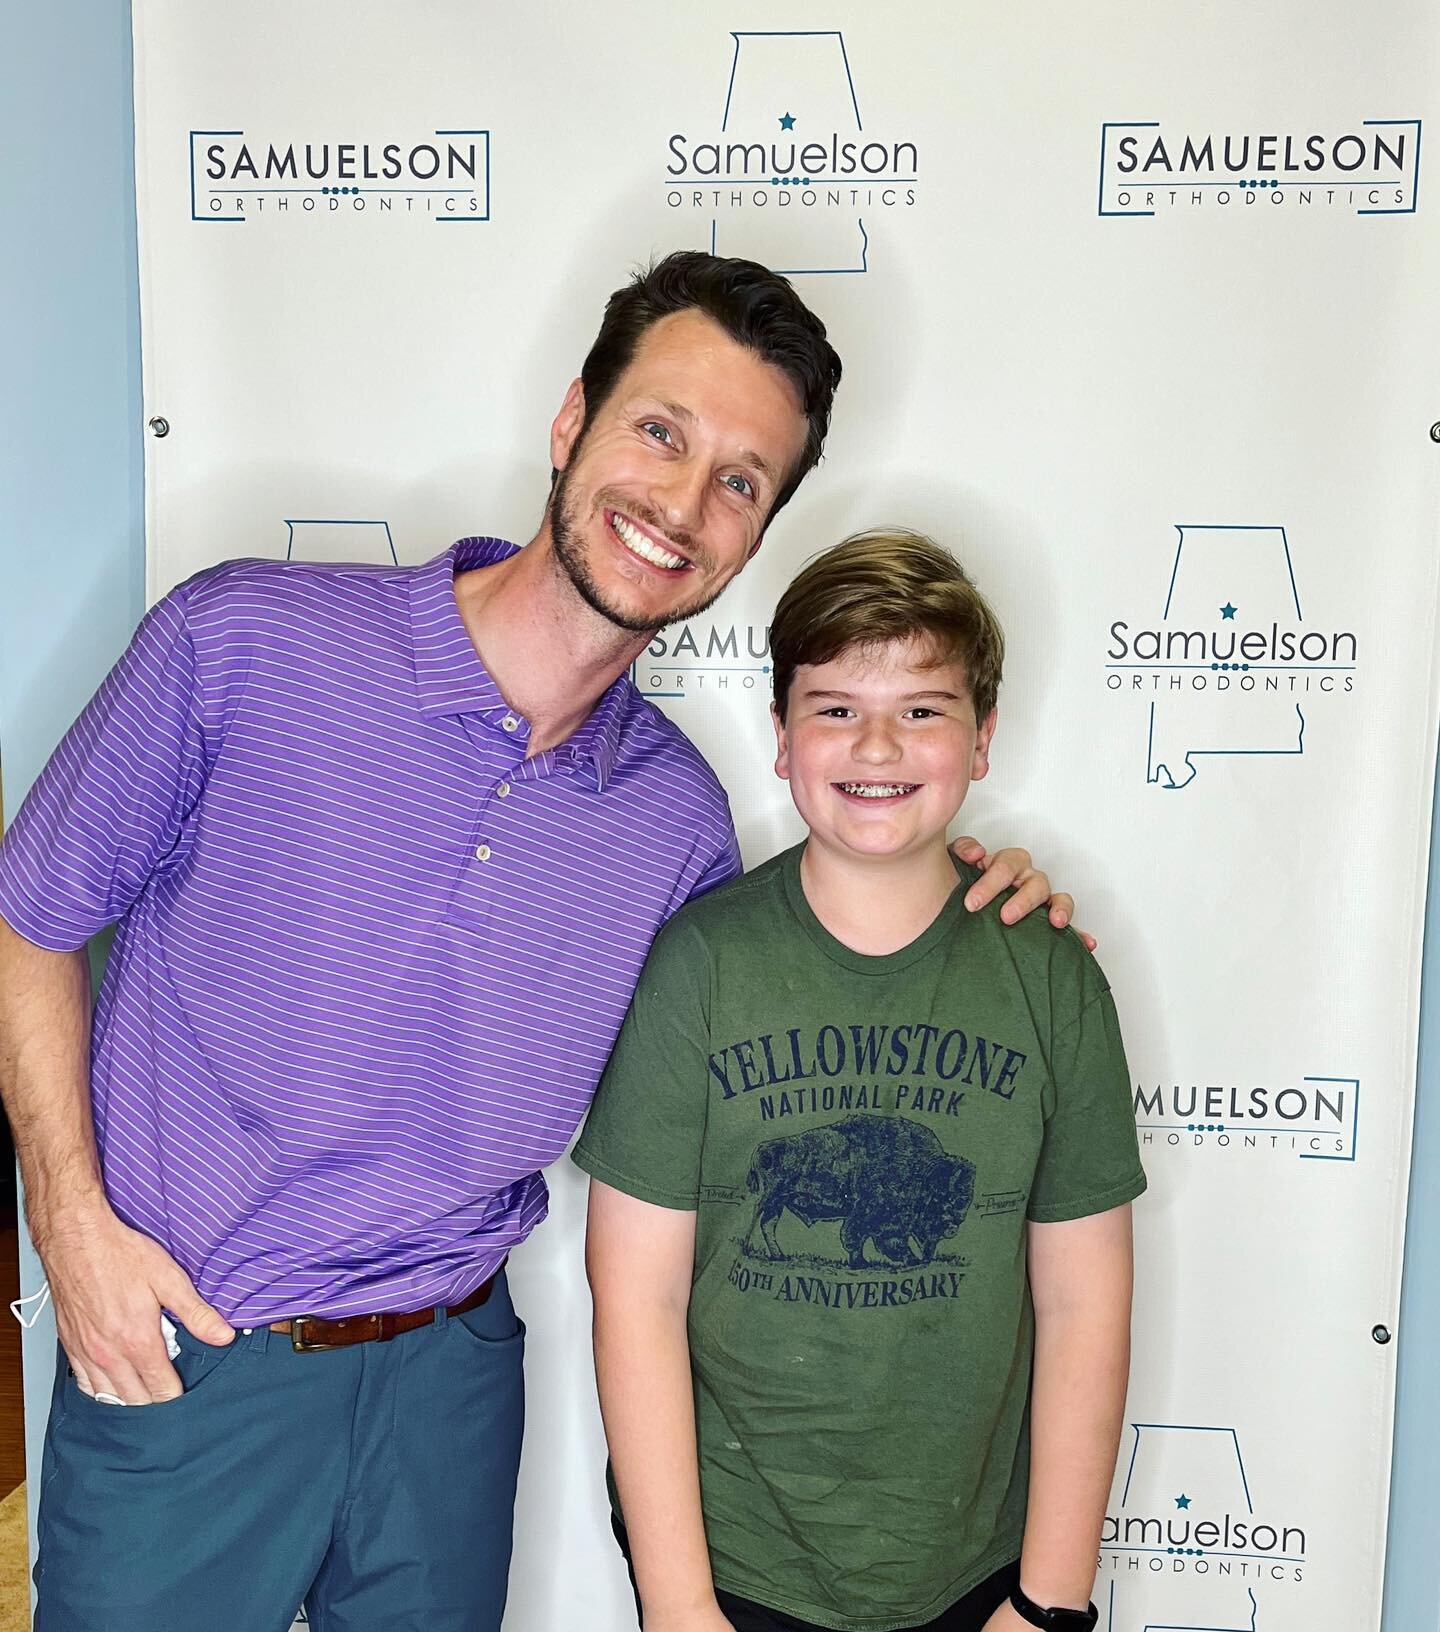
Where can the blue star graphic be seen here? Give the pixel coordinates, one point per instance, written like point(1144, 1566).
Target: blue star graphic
point(1227, 611)
point(787, 121)
point(1182, 1501)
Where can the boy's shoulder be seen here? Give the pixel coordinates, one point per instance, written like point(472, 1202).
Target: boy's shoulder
point(1053, 964)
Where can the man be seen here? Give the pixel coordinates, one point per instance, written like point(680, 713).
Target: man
point(387, 849)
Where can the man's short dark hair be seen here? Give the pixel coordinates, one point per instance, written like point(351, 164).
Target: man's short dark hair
point(755, 306)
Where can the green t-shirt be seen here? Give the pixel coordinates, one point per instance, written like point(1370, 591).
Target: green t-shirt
point(862, 1139)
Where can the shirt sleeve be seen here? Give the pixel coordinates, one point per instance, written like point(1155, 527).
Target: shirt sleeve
point(110, 804)
point(1090, 1155)
point(723, 868)
point(647, 1125)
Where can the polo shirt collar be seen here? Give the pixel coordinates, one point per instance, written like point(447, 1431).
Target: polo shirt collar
point(451, 679)
point(595, 745)
point(449, 675)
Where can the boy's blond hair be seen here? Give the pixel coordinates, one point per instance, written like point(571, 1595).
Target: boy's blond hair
point(885, 584)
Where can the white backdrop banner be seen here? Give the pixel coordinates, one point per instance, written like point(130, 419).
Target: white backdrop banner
point(1138, 314)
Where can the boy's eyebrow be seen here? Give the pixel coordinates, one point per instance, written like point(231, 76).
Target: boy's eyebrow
point(906, 697)
point(748, 456)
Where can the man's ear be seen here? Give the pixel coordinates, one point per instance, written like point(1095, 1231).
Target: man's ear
point(567, 425)
point(782, 745)
point(980, 761)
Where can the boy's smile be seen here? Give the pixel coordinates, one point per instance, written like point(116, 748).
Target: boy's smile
point(877, 790)
point(880, 746)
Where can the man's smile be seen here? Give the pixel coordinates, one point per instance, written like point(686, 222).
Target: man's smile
point(643, 544)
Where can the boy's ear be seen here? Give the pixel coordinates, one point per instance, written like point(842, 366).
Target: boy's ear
point(782, 745)
point(980, 760)
point(567, 425)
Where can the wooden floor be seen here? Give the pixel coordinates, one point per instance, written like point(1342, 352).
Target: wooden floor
point(14, 1560)
point(12, 1417)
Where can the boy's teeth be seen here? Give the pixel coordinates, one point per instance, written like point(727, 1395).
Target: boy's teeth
point(878, 790)
point(633, 539)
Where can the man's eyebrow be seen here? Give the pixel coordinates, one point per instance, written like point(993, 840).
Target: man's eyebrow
point(748, 456)
point(686, 416)
point(677, 410)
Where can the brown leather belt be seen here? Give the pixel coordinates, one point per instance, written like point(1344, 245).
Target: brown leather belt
point(309, 1333)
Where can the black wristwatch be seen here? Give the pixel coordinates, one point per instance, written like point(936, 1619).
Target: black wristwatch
point(1057, 1620)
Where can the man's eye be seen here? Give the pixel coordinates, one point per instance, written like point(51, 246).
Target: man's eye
point(653, 427)
point(740, 485)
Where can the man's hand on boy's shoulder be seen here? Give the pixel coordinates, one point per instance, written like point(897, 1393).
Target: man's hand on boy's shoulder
point(1012, 868)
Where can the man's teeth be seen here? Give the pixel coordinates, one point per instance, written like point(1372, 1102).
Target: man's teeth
point(879, 790)
point(646, 548)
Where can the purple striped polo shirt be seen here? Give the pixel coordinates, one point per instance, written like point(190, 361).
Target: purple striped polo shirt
point(371, 959)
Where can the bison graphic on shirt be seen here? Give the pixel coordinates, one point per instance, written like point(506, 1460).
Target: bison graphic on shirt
point(887, 1179)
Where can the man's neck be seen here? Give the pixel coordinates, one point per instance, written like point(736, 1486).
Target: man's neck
point(875, 905)
point(552, 656)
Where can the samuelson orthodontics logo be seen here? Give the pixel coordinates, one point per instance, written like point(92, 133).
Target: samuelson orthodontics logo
point(703, 656)
point(1186, 1544)
point(1151, 167)
point(1227, 666)
point(790, 172)
point(1316, 1118)
point(246, 175)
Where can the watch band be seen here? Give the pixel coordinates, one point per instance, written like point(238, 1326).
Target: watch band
point(1055, 1620)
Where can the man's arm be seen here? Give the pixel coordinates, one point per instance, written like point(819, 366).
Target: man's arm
point(108, 1282)
point(640, 1260)
point(1080, 1279)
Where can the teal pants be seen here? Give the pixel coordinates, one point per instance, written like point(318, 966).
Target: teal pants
point(374, 1484)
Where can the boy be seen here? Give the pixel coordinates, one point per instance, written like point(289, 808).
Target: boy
point(840, 1116)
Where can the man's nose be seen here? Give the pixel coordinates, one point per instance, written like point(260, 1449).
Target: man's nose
point(680, 497)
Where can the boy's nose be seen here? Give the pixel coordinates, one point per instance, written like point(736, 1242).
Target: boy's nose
point(876, 745)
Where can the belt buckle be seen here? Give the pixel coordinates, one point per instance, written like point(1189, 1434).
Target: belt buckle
point(298, 1339)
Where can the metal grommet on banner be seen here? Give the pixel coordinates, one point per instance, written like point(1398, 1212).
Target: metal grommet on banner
point(1435, 431)
point(159, 426)
point(1381, 1334)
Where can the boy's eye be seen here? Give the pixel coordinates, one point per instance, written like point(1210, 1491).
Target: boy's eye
point(924, 713)
point(653, 427)
point(837, 712)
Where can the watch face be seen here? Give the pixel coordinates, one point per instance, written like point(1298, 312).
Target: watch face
point(1070, 1620)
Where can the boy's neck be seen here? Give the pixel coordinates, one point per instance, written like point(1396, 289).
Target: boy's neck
point(877, 904)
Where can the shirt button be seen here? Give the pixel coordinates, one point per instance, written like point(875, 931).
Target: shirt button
point(509, 723)
point(503, 791)
point(482, 852)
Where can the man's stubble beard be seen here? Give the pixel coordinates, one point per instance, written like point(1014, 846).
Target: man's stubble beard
point(568, 540)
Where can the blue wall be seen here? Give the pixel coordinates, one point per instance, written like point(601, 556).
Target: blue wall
point(72, 575)
point(72, 548)
point(1412, 1575)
